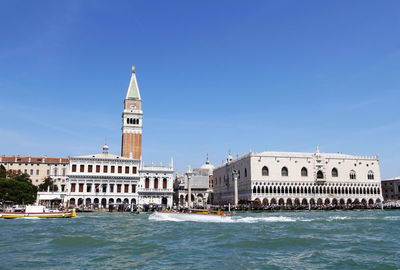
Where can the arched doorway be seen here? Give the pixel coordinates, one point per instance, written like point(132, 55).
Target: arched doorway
point(348, 201)
point(312, 202)
point(133, 201)
point(265, 202)
point(80, 201)
point(297, 202)
point(370, 201)
point(304, 202)
point(335, 201)
point(118, 200)
point(72, 202)
point(327, 201)
point(164, 201)
point(273, 201)
point(126, 201)
point(319, 201)
point(257, 203)
point(88, 201)
point(104, 202)
point(289, 202)
point(364, 202)
point(281, 202)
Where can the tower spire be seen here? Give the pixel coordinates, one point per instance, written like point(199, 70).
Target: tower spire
point(133, 89)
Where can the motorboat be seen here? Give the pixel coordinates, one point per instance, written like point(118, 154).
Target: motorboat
point(199, 215)
point(38, 211)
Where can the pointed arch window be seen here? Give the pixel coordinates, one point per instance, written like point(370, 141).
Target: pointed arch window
point(285, 171)
point(245, 172)
point(335, 172)
point(370, 175)
point(265, 171)
point(320, 175)
point(352, 174)
point(156, 183)
point(304, 172)
point(165, 183)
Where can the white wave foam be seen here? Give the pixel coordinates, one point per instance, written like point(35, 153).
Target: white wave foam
point(337, 218)
point(218, 219)
point(392, 218)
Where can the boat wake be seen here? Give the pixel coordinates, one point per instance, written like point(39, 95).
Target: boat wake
point(218, 219)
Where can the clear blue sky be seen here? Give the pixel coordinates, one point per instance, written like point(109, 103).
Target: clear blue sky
point(213, 75)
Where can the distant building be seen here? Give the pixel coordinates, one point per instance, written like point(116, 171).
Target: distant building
point(39, 168)
point(105, 179)
point(391, 189)
point(201, 187)
point(284, 178)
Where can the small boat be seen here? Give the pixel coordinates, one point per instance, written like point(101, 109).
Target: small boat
point(200, 212)
point(38, 211)
point(199, 215)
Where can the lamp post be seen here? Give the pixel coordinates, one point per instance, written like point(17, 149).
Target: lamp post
point(235, 175)
point(189, 175)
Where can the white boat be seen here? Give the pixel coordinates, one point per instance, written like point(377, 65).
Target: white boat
point(193, 215)
point(38, 211)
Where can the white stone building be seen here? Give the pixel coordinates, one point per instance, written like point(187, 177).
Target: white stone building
point(284, 178)
point(105, 179)
point(201, 188)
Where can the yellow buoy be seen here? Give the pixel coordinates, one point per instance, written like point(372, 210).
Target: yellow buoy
point(73, 213)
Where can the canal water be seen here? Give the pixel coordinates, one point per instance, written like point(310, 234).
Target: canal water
point(268, 240)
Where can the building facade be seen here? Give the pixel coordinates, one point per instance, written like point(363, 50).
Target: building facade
point(201, 188)
point(105, 179)
point(39, 168)
point(391, 189)
point(282, 178)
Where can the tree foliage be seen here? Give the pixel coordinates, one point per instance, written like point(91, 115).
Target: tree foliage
point(19, 190)
point(3, 171)
point(48, 182)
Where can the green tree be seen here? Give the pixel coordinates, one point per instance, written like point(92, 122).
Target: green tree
point(17, 191)
point(3, 171)
point(48, 182)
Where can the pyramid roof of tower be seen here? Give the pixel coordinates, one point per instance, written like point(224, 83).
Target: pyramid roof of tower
point(133, 90)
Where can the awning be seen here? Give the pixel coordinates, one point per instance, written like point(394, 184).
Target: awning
point(49, 197)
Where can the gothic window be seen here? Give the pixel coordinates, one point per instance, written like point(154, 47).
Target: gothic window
point(164, 183)
point(265, 171)
point(285, 171)
point(254, 190)
point(370, 175)
point(127, 120)
point(335, 172)
point(147, 183)
point(320, 175)
point(245, 172)
point(156, 183)
point(304, 172)
point(352, 174)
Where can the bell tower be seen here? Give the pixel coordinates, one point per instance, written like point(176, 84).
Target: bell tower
point(132, 117)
